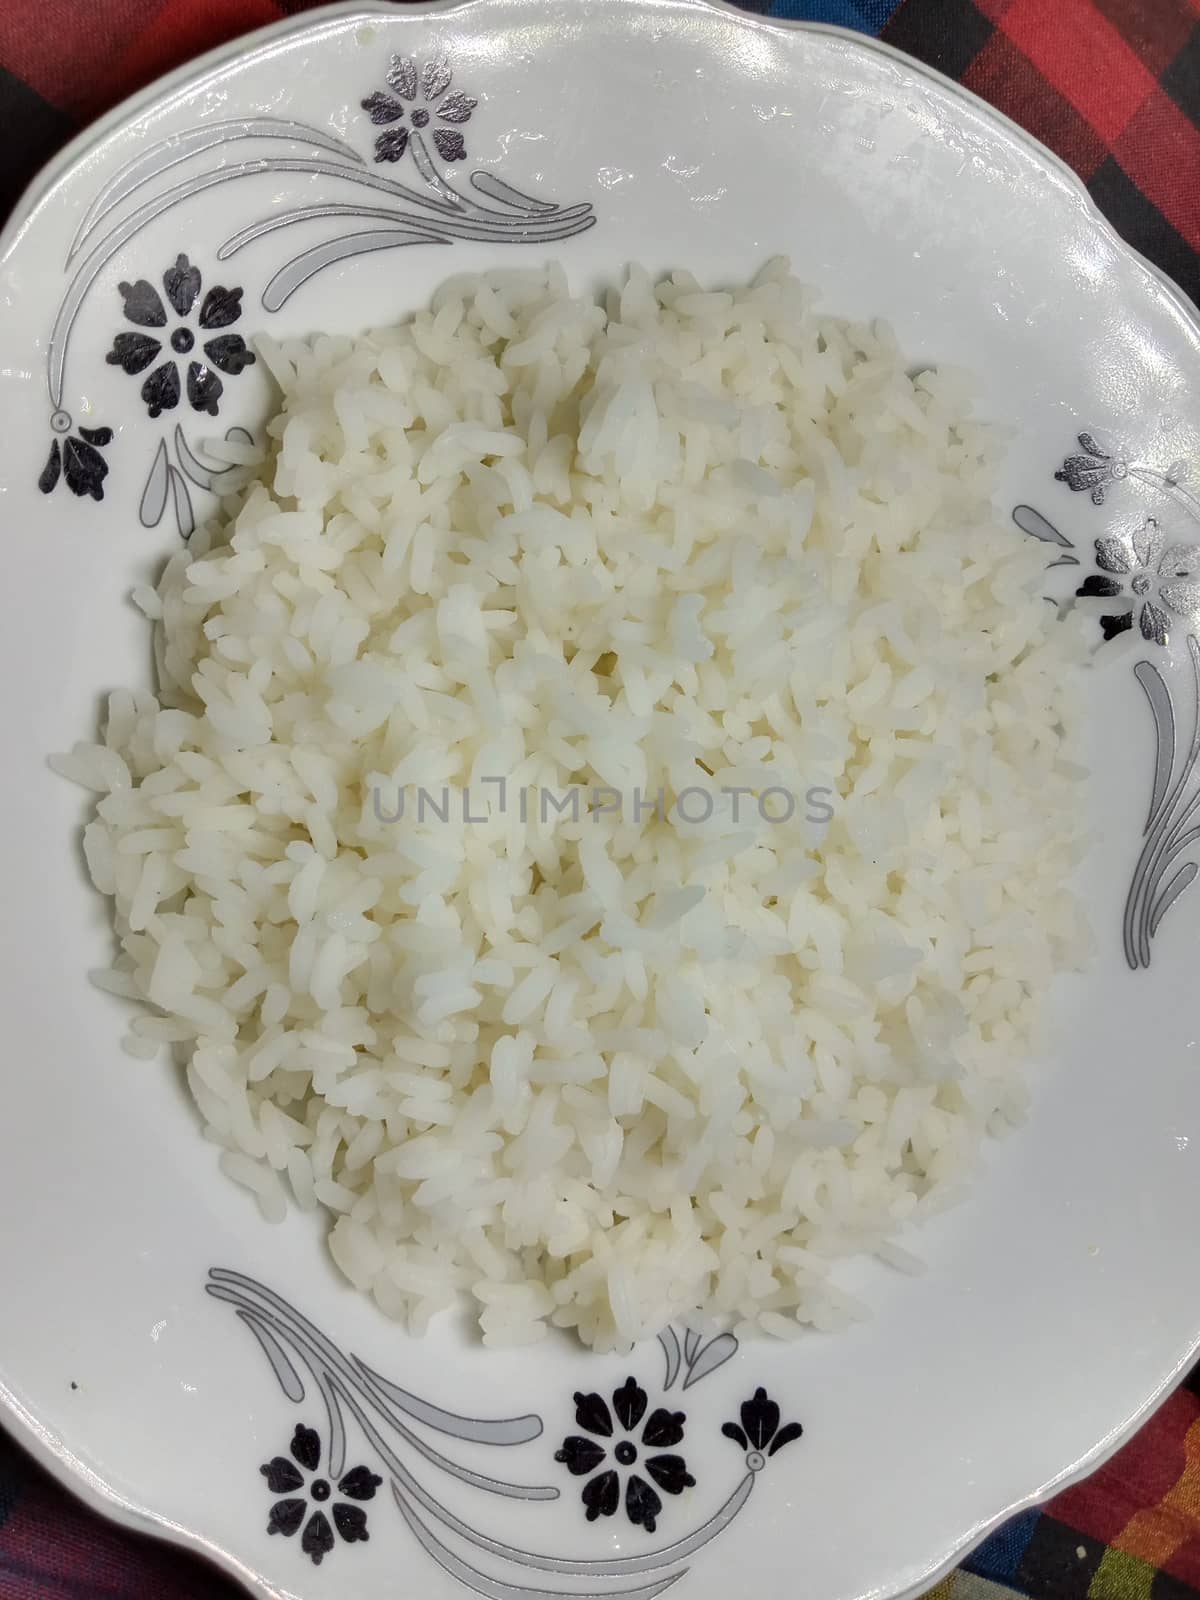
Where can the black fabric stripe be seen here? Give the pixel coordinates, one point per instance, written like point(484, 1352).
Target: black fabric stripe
point(35, 131)
point(1052, 1567)
point(1181, 80)
point(948, 34)
point(1143, 224)
point(10, 1479)
point(1164, 1587)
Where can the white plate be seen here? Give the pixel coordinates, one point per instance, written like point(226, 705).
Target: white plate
point(1064, 1298)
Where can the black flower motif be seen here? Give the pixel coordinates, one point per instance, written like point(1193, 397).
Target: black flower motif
point(1155, 571)
point(1093, 471)
point(429, 107)
point(298, 1480)
point(759, 1433)
point(76, 460)
point(144, 307)
point(583, 1457)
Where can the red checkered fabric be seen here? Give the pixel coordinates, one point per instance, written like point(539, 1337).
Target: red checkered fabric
point(1112, 86)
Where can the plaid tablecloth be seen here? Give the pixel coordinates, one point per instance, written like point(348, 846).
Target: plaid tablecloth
point(1114, 87)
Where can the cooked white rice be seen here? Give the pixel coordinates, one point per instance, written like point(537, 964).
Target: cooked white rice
point(600, 1072)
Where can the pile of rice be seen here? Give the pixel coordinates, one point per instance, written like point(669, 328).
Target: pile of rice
point(604, 1071)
